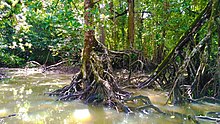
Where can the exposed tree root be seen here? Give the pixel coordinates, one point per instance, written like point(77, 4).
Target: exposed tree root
point(100, 85)
point(186, 69)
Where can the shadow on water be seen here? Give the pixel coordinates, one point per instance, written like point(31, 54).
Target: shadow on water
point(22, 95)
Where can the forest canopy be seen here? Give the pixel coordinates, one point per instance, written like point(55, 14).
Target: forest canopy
point(41, 29)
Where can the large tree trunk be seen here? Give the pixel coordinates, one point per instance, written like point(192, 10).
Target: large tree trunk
point(89, 37)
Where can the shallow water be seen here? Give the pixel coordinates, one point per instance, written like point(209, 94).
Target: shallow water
point(22, 94)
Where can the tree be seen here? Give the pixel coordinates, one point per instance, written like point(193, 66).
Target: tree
point(131, 29)
point(89, 38)
point(95, 83)
point(39, 30)
point(185, 70)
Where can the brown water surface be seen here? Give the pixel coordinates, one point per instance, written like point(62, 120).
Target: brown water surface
point(22, 94)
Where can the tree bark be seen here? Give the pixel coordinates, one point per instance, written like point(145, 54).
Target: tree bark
point(102, 34)
point(89, 36)
point(217, 22)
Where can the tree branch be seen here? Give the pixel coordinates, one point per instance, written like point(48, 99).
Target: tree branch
point(119, 14)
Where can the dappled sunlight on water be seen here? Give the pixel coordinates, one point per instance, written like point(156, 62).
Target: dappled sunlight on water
point(23, 95)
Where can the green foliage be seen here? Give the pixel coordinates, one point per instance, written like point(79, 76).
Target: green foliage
point(34, 30)
point(10, 60)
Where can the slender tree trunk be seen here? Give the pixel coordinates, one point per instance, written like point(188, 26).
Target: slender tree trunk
point(114, 30)
point(131, 24)
point(159, 48)
point(123, 32)
point(102, 26)
point(102, 34)
point(140, 27)
point(216, 16)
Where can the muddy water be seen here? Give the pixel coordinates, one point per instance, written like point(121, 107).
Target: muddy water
point(22, 94)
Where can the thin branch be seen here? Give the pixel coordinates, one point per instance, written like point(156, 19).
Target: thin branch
point(118, 14)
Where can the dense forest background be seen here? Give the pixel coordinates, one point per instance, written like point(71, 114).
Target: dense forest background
point(49, 31)
point(175, 40)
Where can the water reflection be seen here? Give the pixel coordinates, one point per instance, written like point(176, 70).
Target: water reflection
point(23, 95)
